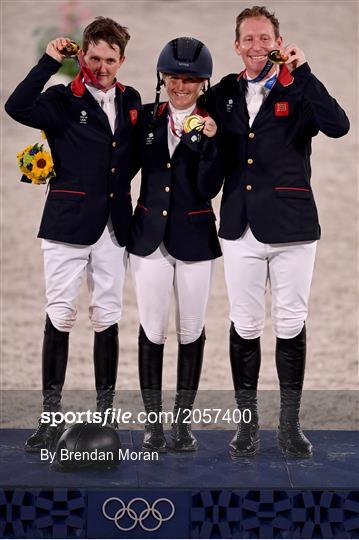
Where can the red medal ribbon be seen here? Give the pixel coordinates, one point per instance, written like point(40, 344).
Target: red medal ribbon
point(88, 76)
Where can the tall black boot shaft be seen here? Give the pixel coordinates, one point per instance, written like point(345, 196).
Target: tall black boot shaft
point(55, 350)
point(245, 356)
point(189, 363)
point(189, 367)
point(105, 354)
point(290, 361)
point(150, 362)
point(150, 365)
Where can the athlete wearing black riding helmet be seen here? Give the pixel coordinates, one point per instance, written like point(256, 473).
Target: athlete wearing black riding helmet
point(174, 239)
point(184, 57)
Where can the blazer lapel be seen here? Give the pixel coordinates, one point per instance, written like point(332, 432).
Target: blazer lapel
point(122, 110)
point(277, 93)
point(154, 135)
point(234, 107)
point(243, 112)
point(97, 110)
point(161, 133)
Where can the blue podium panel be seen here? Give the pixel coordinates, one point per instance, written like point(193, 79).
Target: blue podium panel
point(274, 514)
point(58, 513)
point(62, 513)
point(199, 495)
point(22, 469)
point(237, 514)
point(138, 514)
point(212, 466)
point(335, 463)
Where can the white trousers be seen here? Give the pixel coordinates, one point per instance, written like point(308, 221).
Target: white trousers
point(155, 277)
point(287, 268)
point(104, 264)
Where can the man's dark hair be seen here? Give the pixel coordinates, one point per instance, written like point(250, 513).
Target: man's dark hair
point(257, 11)
point(108, 30)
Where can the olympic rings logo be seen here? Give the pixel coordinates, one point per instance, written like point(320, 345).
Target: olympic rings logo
point(149, 510)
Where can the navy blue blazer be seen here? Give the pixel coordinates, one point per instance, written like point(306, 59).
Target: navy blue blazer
point(174, 206)
point(93, 167)
point(267, 166)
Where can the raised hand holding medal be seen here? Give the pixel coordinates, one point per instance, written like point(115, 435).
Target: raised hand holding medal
point(291, 55)
point(61, 48)
point(295, 56)
point(199, 123)
point(71, 49)
point(195, 121)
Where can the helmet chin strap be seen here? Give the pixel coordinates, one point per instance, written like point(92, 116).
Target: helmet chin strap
point(203, 99)
point(160, 82)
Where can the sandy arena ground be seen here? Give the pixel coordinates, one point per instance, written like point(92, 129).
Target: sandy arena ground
point(328, 34)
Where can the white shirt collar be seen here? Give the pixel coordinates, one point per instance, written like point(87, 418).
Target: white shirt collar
point(100, 95)
point(181, 113)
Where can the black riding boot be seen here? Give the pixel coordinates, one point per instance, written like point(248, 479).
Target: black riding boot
point(150, 362)
point(54, 361)
point(105, 355)
point(245, 356)
point(290, 359)
point(190, 358)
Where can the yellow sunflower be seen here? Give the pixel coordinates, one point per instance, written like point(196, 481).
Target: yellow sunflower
point(42, 165)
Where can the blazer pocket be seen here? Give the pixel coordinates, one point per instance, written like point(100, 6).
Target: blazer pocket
point(293, 193)
point(141, 208)
point(201, 216)
point(66, 195)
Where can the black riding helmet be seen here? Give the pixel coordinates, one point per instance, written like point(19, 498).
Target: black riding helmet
point(183, 55)
point(186, 55)
point(88, 441)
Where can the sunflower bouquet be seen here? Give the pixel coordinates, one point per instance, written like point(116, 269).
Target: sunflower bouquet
point(36, 164)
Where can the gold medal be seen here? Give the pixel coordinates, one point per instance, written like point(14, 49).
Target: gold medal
point(193, 122)
point(70, 49)
point(277, 57)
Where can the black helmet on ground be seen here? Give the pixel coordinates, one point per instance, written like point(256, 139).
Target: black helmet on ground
point(87, 446)
point(183, 56)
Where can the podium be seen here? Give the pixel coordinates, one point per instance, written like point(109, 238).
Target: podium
point(204, 494)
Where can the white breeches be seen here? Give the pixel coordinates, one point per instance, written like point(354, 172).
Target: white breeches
point(104, 264)
point(155, 277)
point(288, 268)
